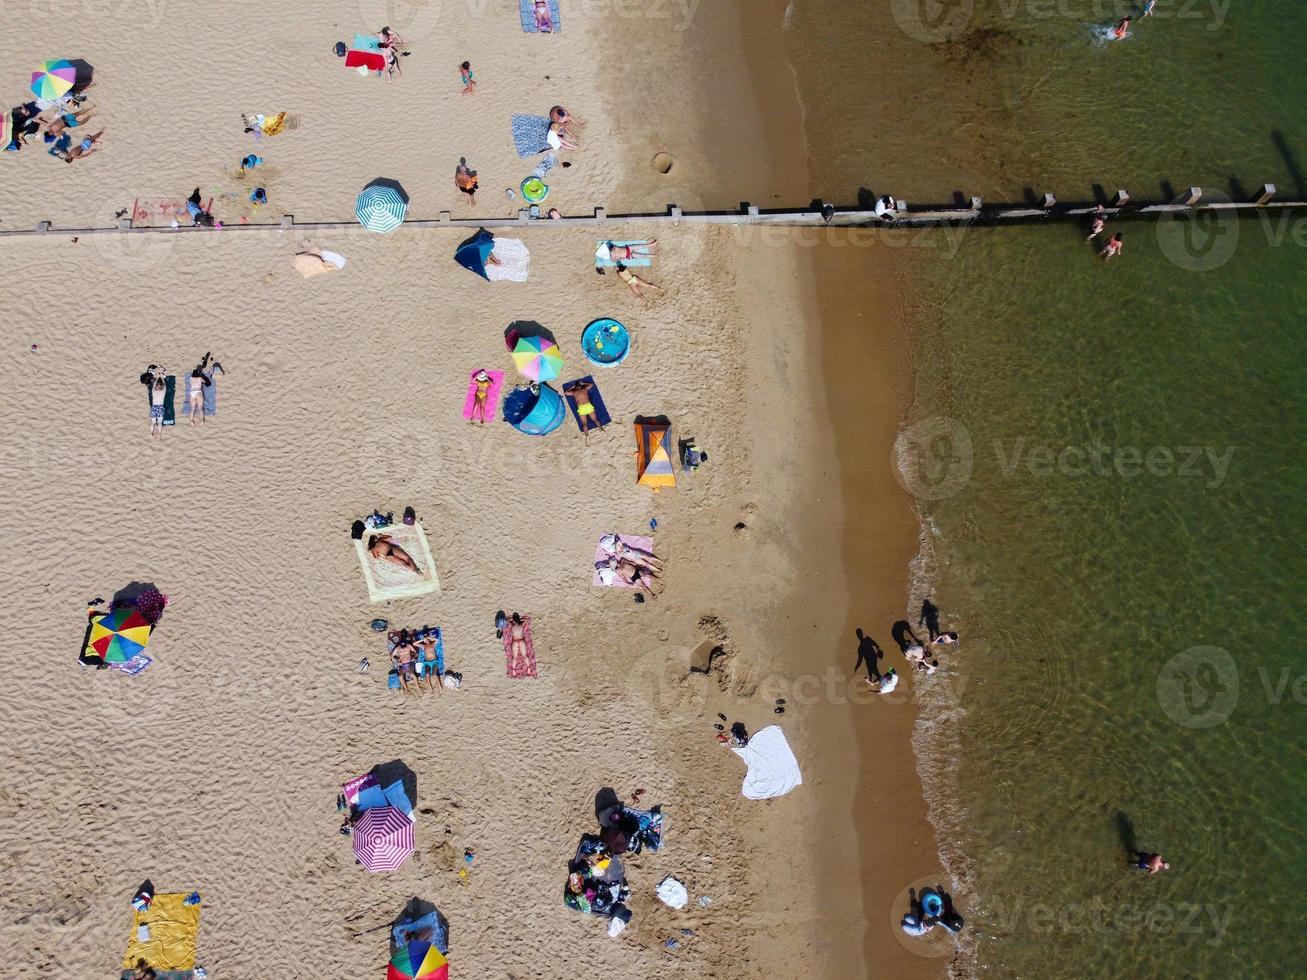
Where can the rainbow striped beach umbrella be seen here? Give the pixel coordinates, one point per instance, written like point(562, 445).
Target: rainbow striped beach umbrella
point(383, 838)
point(418, 961)
point(119, 635)
point(537, 358)
point(381, 206)
point(53, 79)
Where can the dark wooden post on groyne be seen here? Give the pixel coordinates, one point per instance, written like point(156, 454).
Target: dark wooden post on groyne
point(904, 215)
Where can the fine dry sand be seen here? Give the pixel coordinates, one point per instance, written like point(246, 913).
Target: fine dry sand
point(217, 767)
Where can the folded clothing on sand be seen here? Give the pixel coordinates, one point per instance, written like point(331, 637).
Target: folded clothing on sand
point(550, 23)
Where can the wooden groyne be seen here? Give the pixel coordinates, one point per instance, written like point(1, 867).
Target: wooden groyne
point(974, 213)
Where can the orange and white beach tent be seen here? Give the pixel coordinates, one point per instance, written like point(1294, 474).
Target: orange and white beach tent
point(653, 453)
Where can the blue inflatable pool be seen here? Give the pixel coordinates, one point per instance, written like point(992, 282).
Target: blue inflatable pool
point(605, 342)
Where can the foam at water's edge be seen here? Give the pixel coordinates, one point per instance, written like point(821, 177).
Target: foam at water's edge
point(937, 745)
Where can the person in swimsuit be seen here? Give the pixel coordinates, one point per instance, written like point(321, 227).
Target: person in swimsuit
point(403, 656)
point(84, 148)
point(383, 548)
point(585, 410)
point(465, 75)
point(544, 23)
point(483, 384)
point(614, 545)
point(195, 386)
point(389, 39)
point(465, 179)
point(430, 663)
point(250, 162)
point(1113, 247)
point(1148, 8)
point(156, 408)
point(517, 637)
point(637, 250)
point(636, 284)
point(631, 574)
point(557, 138)
point(65, 120)
point(945, 640)
point(1121, 29)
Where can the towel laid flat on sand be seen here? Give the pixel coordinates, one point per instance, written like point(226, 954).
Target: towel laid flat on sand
point(525, 665)
point(604, 261)
point(492, 394)
point(603, 554)
point(529, 135)
point(773, 770)
point(385, 579)
point(529, 23)
point(169, 393)
point(601, 410)
point(210, 397)
point(514, 261)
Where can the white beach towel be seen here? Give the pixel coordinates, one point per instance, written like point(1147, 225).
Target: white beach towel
point(773, 770)
point(514, 261)
point(385, 579)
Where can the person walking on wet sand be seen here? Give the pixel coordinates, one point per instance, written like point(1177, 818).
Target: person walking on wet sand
point(1147, 861)
point(1113, 247)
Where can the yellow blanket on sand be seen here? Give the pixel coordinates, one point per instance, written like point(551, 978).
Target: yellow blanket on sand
point(174, 929)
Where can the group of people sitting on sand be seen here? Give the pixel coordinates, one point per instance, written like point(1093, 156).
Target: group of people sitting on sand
point(633, 567)
point(59, 119)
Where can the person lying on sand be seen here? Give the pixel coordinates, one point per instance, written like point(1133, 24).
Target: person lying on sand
point(544, 23)
point(84, 148)
point(429, 663)
point(614, 545)
point(383, 547)
point(404, 657)
point(65, 120)
point(638, 250)
point(631, 574)
point(517, 638)
point(636, 284)
point(585, 410)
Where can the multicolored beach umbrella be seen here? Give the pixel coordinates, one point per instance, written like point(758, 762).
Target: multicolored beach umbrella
point(537, 358)
point(418, 961)
point(119, 635)
point(381, 206)
point(54, 79)
point(653, 453)
point(383, 838)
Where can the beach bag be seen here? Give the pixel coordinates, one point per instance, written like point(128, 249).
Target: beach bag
point(340, 49)
point(356, 532)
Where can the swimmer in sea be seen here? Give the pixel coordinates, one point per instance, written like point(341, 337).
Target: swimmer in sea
point(1096, 226)
point(1152, 863)
point(1113, 247)
point(1121, 29)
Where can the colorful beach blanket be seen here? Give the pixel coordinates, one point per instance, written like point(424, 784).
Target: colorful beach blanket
point(514, 261)
point(529, 23)
point(529, 135)
point(156, 211)
point(210, 398)
point(596, 399)
point(172, 929)
point(524, 666)
point(492, 394)
point(604, 261)
point(639, 542)
point(385, 579)
point(134, 666)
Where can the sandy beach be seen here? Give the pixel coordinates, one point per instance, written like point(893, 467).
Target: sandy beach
point(216, 768)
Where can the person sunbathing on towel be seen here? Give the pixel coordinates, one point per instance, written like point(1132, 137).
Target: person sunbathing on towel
point(403, 656)
point(614, 545)
point(632, 575)
point(639, 250)
point(544, 23)
point(585, 410)
point(429, 663)
point(383, 547)
point(517, 638)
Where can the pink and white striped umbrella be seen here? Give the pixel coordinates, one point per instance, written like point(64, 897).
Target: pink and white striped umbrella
point(383, 838)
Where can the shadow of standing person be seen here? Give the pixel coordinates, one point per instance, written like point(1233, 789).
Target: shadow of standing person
point(869, 652)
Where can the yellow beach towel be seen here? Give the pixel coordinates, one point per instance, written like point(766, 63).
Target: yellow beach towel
point(173, 929)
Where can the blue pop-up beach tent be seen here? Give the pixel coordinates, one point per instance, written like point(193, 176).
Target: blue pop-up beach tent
point(472, 253)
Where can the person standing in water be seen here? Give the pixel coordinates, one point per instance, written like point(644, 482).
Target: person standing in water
point(1113, 247)
point(1096, 225)
point(1147, 861)
point(1121, 29)
point(1148, 8)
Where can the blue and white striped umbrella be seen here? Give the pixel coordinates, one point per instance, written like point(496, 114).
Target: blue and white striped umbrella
point(380, 208)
